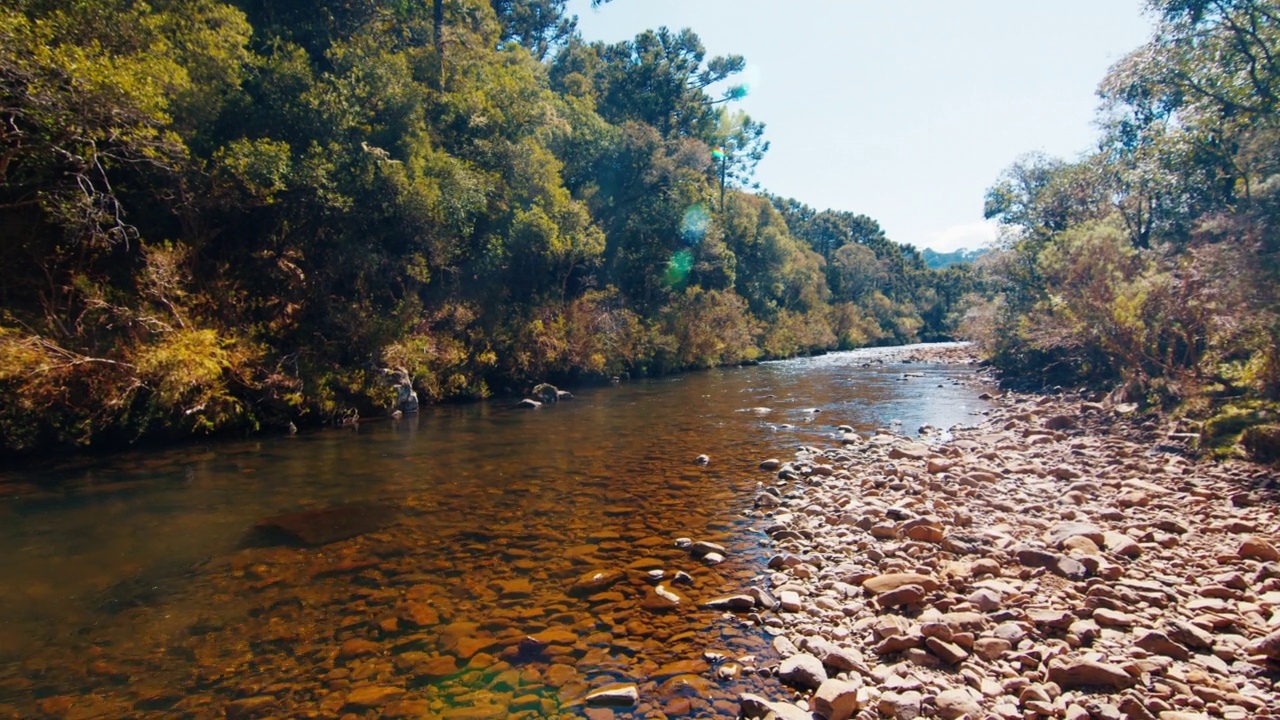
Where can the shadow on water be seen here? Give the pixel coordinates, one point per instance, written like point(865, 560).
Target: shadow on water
point(415, 558)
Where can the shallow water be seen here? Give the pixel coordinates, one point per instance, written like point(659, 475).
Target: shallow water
point(134, 587)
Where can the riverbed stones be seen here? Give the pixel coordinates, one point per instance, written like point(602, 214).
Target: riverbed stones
point(1169, 617)
point(1082, 673)
point(892, 581)
point(1154, 641)
point(840, 699)
point(250, 707)
point(956, 703)
point(594, 581)
point(802, 670)
point(617, 695)
point(372, 697)
point(754, 707)
point(1106, 576)
point(1062, 532)
point(904, 705)
point(323, 526)
point(1257, 548)
point(736, 603)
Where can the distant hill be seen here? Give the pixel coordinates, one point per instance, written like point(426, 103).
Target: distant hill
point(937, 260)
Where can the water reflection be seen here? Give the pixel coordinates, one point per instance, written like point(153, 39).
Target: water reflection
point(130, 575)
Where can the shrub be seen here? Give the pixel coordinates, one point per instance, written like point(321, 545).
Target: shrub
point(710, 327)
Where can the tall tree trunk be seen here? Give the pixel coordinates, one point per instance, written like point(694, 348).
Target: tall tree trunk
point(437, 17)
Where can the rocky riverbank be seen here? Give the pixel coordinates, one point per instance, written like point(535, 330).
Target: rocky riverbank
point(1057, 560)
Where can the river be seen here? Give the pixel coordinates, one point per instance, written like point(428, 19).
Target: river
point(134, 586)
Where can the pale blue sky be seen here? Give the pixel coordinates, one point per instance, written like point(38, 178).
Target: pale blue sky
point(905, 110)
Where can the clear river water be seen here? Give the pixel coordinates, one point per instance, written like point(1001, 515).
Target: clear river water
point(136, 585)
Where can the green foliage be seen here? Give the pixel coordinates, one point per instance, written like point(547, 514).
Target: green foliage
point(1153, 261)
point(222, 216)
point(853, 327)
point(792, 333)
point(186, 371)
point(1249, 423)
point(709, 328)
point(1262, 443)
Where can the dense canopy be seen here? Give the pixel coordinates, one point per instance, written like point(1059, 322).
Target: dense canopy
point(233, 215)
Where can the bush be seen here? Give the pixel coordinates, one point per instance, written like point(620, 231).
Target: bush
point(710, 328)
point(1262, 442)
point(793, 334)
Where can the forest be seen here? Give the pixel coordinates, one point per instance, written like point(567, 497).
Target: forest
point(1150, 264)
point(239, 216)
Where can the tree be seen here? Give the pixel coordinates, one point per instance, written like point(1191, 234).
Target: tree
point(741, 146)
point(660, 78)
point(855, 272)
point(541, 26)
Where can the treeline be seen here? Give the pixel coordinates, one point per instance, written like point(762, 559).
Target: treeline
point(1151, 262)
point(231, 215)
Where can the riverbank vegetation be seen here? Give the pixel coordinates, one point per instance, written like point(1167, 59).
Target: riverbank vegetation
point(233, 215)
point(1151, 263)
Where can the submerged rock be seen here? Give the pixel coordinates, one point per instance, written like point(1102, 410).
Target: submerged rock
point(616, 695)
point(594, 581)
point(323, 526)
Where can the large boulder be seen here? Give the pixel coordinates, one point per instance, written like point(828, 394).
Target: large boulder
point(546, 392)
point(406, 399)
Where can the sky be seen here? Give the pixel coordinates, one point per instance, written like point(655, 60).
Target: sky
point(904, 110)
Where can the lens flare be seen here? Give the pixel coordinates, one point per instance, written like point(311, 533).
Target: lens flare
point(694, 225)
point(678, 269)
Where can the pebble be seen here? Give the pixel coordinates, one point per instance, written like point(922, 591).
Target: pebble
point(1061, 574)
